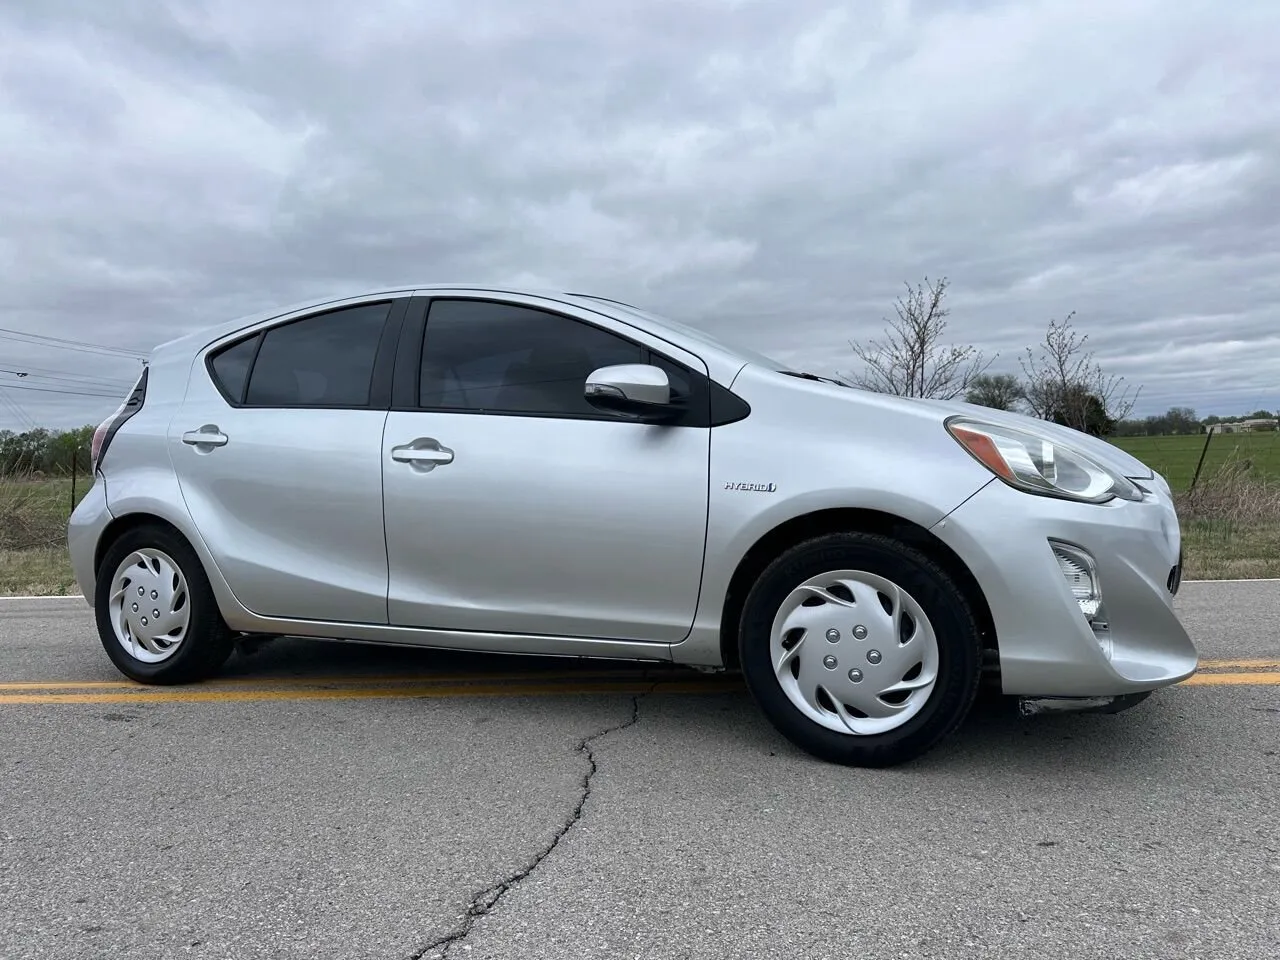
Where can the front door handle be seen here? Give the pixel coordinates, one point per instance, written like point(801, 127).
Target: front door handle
point(422, 454)
point(207, 436)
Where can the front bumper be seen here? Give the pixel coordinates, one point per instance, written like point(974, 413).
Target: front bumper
point(84, 531)
point(1047, 648)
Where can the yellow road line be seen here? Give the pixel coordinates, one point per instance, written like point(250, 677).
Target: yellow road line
point(1247, 664)
point(446, 690)
point(1239, 672)
point(637, 673)
point(69, 685)
point(270, 681)
point(1232, 679)
point(190, 695)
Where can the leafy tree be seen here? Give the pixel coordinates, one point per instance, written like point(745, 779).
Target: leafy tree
point(1131, 428)
point(1003, 391)
point(54, 452)
point(1079, 409)
point(1181, 420)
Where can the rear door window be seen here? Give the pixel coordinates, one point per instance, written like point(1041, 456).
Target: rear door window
point(320, 361)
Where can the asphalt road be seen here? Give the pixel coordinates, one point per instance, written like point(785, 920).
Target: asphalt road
point(326, 800)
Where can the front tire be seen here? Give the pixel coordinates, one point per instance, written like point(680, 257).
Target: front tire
point(860, 650)
point(157, 616)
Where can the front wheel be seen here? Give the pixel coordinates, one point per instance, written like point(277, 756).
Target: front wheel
point(860, 650)
point(157, 616)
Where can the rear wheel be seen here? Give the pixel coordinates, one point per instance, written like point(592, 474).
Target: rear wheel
point(860, 650)
point(157, 617)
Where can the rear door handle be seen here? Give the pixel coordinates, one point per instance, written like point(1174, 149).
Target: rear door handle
point(422, 454)
point(207, 436)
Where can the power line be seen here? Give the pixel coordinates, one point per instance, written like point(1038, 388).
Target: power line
point(73, 379)
point(63, 341)
point(26, 368)
point(69, 393)
point(25, 419)
point(41, 339)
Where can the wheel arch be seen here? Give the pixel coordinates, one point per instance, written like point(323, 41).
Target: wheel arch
point(839, 520)
point(122, 524)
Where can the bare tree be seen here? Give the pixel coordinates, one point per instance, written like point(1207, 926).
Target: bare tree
point(1002, 391)
point(912, 361)
point(1063, 383)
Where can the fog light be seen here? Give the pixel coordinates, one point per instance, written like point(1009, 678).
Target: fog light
point(1081, 574)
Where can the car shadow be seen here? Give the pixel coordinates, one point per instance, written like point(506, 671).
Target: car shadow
point(301, 658)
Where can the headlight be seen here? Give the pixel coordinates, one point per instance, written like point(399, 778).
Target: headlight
point(1028, 461)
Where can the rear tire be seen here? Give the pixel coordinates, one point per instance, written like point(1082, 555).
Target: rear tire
point(822, 648)
point(157, 616)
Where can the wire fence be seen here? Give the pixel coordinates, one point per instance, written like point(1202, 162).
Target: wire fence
point(35, 506)
point(1190, 460)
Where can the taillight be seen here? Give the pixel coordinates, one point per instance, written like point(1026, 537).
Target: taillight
point(107, 429)
point(95, 451)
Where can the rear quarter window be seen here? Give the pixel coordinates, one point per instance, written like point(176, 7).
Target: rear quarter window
point(230, 368)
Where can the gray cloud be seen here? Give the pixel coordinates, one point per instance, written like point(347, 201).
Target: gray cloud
point(773, 172)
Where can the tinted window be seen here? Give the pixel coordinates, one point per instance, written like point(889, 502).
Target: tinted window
point(231, 367)
point(321, 361)
point(493, 356)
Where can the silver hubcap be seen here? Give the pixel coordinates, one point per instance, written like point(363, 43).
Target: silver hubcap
point(150, 606)
point(876, 625)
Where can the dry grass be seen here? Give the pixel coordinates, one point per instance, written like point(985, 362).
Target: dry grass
point(33, 536)
point(36, 572)
point(1231, 524)
point(34, 512)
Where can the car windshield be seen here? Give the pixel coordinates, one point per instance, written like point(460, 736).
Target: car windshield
point(695, 333)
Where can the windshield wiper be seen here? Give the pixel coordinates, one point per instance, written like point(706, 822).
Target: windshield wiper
point(812, 376)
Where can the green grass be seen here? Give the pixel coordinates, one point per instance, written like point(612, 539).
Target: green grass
point(36, 572)
point(1230, 550)
point(1176, 457)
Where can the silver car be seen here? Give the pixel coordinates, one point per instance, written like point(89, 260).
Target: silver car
point(488, 469)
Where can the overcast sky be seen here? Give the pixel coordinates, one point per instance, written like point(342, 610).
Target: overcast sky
point(773, 171)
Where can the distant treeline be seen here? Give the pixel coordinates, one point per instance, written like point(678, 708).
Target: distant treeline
point(1179, 420)
point(51, 452)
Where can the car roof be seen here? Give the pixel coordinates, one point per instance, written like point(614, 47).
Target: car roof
point(714, 351)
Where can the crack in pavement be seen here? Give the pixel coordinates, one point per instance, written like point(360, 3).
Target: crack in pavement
point(486, 900)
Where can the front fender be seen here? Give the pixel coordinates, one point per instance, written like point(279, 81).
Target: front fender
point(916, 474)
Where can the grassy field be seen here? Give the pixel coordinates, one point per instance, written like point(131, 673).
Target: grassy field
point(36, 572)
point(1176, 457)
point(33, 530)
point(1230, 523)
point(1226, 550)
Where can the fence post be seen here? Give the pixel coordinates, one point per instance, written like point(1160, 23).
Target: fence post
point(1208, 436)
point(75, 460)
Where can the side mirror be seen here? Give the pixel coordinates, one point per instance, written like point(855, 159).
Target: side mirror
point(638, 390)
